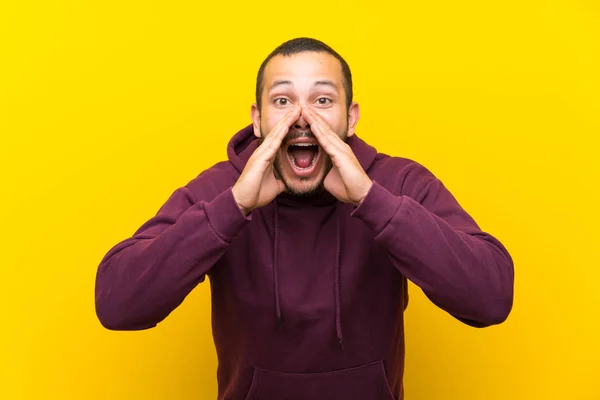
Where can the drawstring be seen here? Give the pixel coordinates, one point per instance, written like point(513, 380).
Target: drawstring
point(275, 268)
point(338, 307)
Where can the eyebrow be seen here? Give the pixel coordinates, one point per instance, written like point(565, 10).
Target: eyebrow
point(280, 83)
point(326, 83)
point(289, 83)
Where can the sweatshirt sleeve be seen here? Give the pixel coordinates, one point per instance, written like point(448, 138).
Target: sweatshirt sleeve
point(142, 279)
point(434, 243)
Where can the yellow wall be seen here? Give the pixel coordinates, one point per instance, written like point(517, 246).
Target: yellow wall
point(107, 106)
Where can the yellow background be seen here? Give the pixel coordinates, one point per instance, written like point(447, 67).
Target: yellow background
point(107, 106)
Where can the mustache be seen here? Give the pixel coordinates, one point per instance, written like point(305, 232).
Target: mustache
point(296, 134)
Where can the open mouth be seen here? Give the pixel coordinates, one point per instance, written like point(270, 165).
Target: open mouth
point(303, 157)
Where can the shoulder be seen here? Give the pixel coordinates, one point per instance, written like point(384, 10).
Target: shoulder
point(400, 175)
point(212, 181)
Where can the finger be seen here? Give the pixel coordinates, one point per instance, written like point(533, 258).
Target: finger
point(282, 127)
point(285, 123)
point(323, 128)
point(328, 139)
point(272, 142)
point(276, 174)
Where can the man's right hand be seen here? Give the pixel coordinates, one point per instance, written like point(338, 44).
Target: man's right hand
point(257, 186)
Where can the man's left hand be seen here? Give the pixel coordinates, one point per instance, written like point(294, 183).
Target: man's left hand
point(347, 180)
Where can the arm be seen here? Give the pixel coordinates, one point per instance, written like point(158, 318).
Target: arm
point(142, 279)
point(438, 246)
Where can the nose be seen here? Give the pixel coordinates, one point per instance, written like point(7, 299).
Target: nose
point(301, 124)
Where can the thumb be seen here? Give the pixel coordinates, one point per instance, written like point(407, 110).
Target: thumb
point(278, 181)
point(274, 183)
point(274, 179)
point(276, 173)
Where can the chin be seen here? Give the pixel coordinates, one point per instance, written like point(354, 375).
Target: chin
point(304, 189)
point(302, 186)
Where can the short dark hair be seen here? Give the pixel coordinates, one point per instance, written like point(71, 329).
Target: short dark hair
point(301, 45)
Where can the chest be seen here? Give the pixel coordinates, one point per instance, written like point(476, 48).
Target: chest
point(299, 250)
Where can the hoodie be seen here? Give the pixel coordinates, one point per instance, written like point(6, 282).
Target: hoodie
point(308, 293)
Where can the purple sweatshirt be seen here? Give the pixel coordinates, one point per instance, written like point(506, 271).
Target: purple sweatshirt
point(308, 294)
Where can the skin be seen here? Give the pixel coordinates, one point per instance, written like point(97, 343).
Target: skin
point(303, 95)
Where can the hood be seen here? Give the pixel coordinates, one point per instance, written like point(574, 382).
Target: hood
point(240, 148)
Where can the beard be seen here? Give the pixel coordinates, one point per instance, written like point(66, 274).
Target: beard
point(306, 188)
point(316, 188)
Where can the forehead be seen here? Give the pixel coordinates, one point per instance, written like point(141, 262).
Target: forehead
point(305, 67)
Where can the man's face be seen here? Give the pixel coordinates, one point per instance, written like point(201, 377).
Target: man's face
point(311, 80)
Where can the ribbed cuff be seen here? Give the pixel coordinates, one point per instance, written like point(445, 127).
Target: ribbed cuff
point(224, 215)
point(377, 208)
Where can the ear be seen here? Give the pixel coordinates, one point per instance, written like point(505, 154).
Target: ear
point(255, 115)
point(353, 117)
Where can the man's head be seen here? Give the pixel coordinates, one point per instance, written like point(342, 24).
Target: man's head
point(308, 73)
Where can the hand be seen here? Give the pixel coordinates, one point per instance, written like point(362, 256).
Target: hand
point(257, 184)
point(347, 180)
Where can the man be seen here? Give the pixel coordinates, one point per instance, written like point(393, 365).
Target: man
point(308, 236)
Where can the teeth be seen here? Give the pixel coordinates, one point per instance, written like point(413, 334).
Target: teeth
point(313, 161)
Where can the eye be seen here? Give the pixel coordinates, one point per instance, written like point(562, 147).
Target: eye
point(323, 101)
point(281, 101)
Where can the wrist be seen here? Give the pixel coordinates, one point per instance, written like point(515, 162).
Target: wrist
point(366, 191)
point(243, 209)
